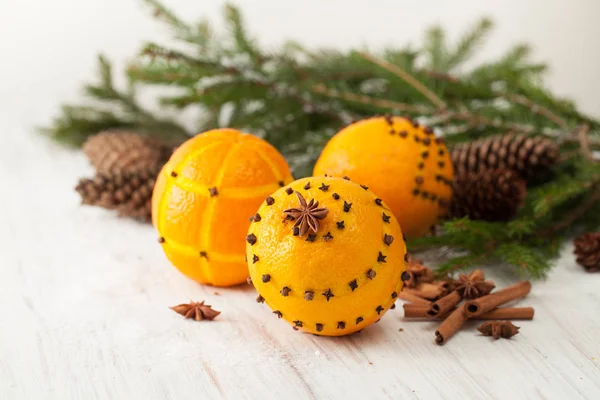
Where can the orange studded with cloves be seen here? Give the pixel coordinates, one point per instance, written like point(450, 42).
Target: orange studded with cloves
point(203, 198)
point(400, 160)
point(326, 255)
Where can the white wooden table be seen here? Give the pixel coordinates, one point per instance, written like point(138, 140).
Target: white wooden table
point(84, 314)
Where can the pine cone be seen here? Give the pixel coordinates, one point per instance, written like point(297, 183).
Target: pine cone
point(531, 157)
point(120, 152)
point(587, 250)
point(490, 195)
point(129, 193)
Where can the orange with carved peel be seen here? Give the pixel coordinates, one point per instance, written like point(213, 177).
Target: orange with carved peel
point(203, 198)
point(401, 161)
point(327, 255)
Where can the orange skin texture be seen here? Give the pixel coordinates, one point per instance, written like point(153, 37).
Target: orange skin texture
point(301, 265)
point(203, 234)
point(409, 168)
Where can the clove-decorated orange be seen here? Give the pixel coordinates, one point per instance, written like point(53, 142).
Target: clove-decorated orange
point(401, 161)
point(204, 196)
point(326, 255)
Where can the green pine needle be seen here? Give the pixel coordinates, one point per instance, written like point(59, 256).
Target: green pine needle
point(469, 43)
point(435, 49)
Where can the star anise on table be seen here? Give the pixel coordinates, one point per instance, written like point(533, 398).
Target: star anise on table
point(498, 329)
point(307, 216)
point(472, 286)
point(196, 310)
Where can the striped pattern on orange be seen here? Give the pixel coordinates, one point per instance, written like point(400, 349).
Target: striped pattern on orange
point(204, 197)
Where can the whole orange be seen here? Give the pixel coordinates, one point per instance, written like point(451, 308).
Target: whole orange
point(326, 255)
point(204, 196)
point(401, 161)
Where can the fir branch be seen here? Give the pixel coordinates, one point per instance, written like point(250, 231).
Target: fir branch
point(478, 121)
point(543, 200)
point(574, 215)
point(468, 44)
point(154, 52)
point(520, 228)
point(297, 98)
point(161, 12)
point(434, 48)
point(119, 110)
point(591, 222)
point(537, 109)
point(584, 142)
point(198, 35)
point(386, 105)
point(530, 261)
point(517, 54)
point(517, 99)
point(441, 76)
point(243, 44)
point(408, 78)
point(460, 263)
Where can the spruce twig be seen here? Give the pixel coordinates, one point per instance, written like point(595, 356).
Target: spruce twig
point(468, 43)
point(538, 109)
point(435, 48)
point(573, 215)
point(584, 143)
point(408, 78)
point(363, 99)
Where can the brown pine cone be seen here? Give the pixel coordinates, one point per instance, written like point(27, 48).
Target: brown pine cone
point(531, 157)
point(129, 193)
point(587, 250)
point(119, 152)
point(490, 195)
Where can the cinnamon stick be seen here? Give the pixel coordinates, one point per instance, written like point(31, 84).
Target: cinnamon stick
point(508, 313)
point(445, 304)
point(446, 286)
point(504, 313)
point(451, 325)
point(413, 299)
point(489, 302)
point(427, 290)
point(415, 311)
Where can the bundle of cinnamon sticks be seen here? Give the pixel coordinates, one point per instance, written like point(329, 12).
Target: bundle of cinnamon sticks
point(457, 301)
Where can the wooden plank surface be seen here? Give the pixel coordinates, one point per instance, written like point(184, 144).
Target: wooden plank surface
point(85, 315)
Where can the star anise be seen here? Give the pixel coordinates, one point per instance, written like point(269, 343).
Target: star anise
point(197, 311)
point(307, 216)
point(498, 329)
point(472, 286)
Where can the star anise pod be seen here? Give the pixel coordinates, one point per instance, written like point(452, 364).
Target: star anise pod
point(197, 311)
point(307, 216)
point(472, 286)
point(498, 329)
point(417, 272)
